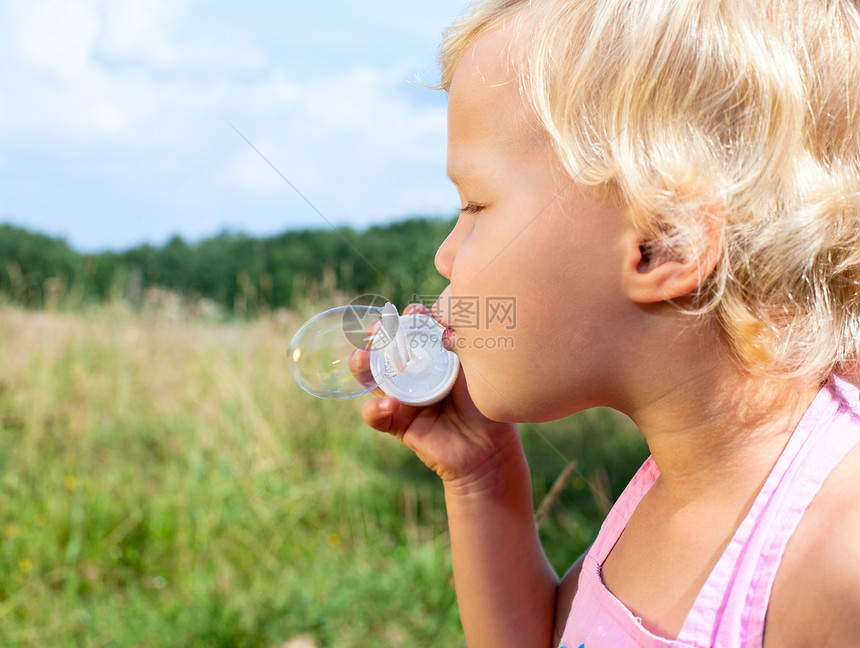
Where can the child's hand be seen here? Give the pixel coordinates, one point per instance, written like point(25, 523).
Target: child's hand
point(451, 437)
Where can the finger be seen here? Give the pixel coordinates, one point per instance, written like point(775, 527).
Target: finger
point(372, 328)
point(359, 359)
point(421, 309)
point(359, 365)
point(416, 309)
point(379, 413)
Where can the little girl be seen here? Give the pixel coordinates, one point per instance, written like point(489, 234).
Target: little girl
point(670, 190)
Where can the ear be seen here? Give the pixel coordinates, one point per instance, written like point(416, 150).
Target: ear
point(653, 274)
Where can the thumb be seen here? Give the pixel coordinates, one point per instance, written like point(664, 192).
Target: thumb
point(378, 413)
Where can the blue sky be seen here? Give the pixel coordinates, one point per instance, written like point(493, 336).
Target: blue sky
point(117, 116)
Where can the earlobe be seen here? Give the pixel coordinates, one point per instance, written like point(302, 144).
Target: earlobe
point(653, 273)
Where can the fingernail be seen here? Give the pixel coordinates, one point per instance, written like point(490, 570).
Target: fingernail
point(386, 405)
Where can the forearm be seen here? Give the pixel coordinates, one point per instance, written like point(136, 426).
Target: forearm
point(506, 589)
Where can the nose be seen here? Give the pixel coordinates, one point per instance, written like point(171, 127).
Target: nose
point(447, 252)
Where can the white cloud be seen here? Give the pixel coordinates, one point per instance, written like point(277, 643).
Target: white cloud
point(64, 94)
point(131, 90)
point(141, 31)
point(351, 143)
point(54, 37)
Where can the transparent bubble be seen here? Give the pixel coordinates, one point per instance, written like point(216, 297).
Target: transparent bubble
point(347, 351)
point(326, 353)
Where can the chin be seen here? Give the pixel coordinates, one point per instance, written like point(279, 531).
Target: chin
point(516, 407)
point(507, 408)
point(490, 401)
point(495, 412)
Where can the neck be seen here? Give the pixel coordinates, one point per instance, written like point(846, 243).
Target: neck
point(713, 428)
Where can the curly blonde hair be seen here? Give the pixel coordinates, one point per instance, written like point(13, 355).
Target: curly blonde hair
point(743, 110)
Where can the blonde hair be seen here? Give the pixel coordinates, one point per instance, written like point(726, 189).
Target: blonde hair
point(746, 111)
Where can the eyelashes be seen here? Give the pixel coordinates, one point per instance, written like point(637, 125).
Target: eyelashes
point(471, 208)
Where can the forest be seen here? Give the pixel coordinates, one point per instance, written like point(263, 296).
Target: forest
point(238, 273)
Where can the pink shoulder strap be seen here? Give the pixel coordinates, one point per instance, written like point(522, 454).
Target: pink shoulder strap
point(619, 515)
point(731, 607)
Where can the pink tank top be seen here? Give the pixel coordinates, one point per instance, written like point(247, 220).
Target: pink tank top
point(729, 611)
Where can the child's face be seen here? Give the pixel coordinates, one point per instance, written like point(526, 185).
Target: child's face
point(534, 261)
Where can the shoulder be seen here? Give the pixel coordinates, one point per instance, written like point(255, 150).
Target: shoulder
point(564, 598)
point(816, 594)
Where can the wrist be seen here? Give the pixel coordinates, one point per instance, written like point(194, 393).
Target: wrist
point(502, 472)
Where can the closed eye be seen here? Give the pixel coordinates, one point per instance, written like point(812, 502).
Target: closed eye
point(471, 208)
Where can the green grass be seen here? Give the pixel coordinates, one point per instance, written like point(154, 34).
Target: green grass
point(164, 483)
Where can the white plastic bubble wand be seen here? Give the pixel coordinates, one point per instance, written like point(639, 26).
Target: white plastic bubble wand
point(404, 354)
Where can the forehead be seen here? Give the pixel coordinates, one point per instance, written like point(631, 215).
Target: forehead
point(487, 63)
point(486, 109)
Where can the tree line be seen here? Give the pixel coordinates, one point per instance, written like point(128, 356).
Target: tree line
point(240, 273)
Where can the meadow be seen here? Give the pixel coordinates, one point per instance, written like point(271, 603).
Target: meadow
point(163, 482)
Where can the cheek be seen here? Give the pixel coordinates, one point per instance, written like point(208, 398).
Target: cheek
point(509, 282)
point(487, 254)
point(516, 352)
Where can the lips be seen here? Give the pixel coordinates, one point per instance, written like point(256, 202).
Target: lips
point(440, 306)
point(448, 339)
point(438, 310)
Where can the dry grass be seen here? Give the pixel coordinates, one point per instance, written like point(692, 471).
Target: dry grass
point(164, 483)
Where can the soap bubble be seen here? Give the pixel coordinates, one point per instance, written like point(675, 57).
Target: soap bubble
point(326, 354)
